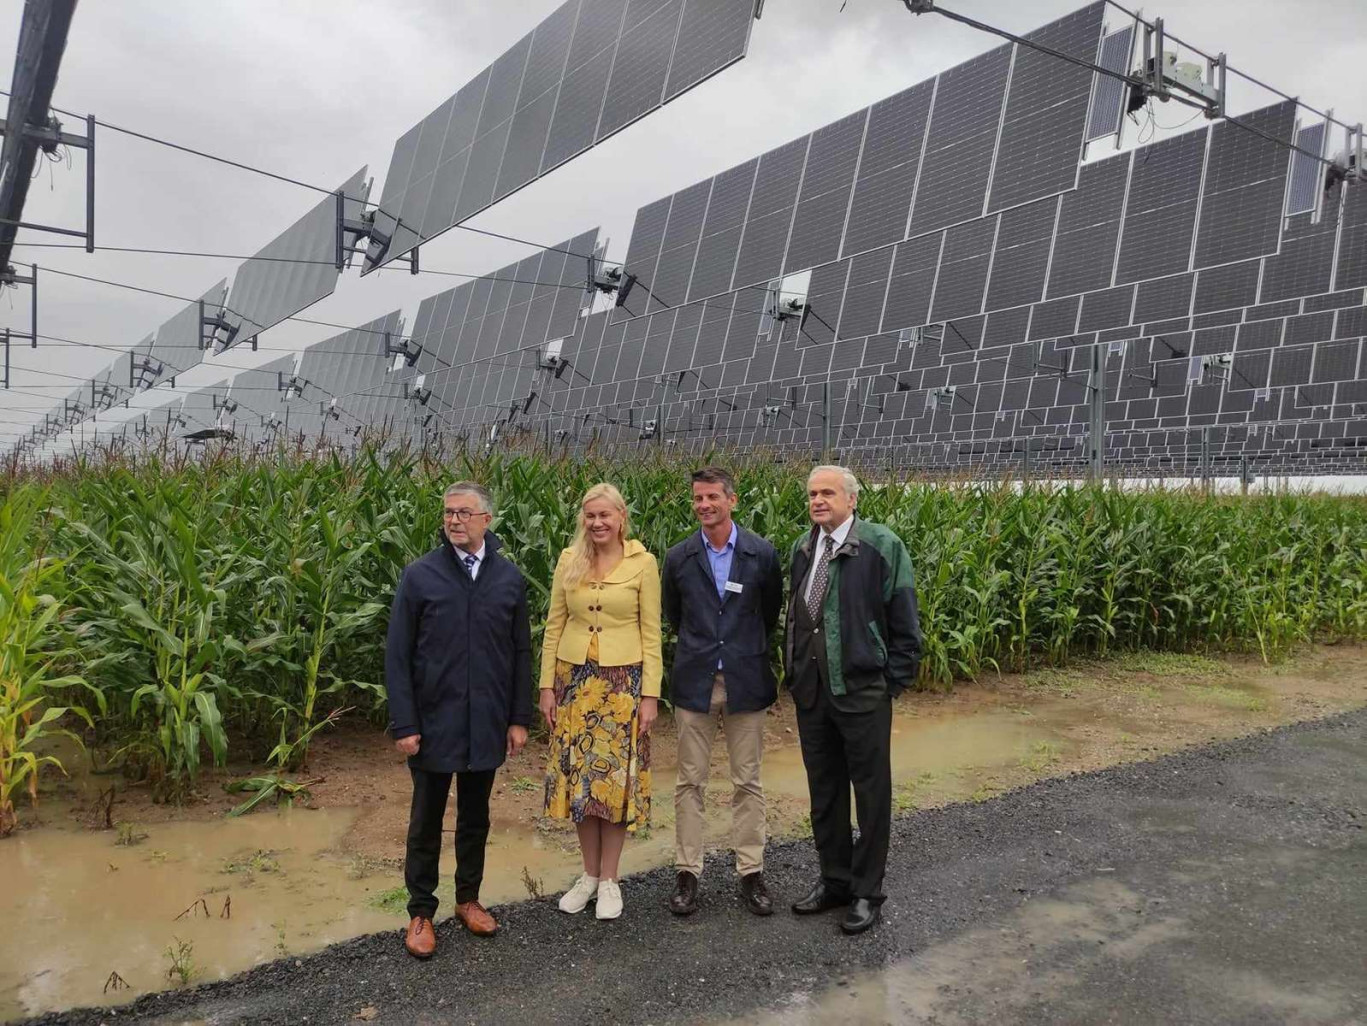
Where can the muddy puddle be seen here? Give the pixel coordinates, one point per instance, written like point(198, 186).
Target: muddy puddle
point(83, 907)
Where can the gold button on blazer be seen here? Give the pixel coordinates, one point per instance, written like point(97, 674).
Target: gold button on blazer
point(622, 612)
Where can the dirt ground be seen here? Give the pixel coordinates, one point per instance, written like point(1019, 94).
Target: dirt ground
point(977, 740)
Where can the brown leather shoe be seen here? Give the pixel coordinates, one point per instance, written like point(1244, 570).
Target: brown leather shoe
point(477, 919)
point(421, 938)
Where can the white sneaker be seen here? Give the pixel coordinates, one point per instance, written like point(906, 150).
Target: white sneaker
point(609, 900)
point(577, 898)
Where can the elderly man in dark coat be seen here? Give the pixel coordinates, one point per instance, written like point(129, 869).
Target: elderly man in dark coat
point(458, 671)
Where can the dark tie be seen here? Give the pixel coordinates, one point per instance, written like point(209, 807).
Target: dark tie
point(470, 562)
point(819, 576)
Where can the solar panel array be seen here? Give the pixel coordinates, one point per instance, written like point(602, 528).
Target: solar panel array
point(962, 257)
point(586, 72)
point(963, 260)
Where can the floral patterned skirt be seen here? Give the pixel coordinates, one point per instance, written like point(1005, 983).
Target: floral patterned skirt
point(599, 763)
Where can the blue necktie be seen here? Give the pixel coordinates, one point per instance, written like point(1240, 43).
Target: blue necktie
point(470, 562)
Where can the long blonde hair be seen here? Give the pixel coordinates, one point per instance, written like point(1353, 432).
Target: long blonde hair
point(581, 549)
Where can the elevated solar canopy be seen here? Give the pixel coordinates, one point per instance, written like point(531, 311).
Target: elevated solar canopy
point(350, 383)
point(960, 264)
point(586, 72)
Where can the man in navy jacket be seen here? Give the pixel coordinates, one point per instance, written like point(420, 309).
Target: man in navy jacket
point(722, 591)
point(458, 672)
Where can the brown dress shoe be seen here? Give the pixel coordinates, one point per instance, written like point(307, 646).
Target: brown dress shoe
point(477, 919)
point(421, 938)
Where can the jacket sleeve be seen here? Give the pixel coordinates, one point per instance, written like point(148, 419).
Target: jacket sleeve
point(771, 600)
point(903, 620)
point(521, 714)
point(398, 662)
point(556, 618)
point(652, 661)
point(670, 605)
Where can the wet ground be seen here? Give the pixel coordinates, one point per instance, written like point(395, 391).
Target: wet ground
point(298, 880)
point(1223, 884)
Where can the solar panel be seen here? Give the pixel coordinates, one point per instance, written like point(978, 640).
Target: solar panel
point(294, 270)
point(1307, 174)
point(588, 70)
point(1110, 94)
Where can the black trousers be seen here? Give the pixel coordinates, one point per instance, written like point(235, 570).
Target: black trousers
point(421, 868)
point(841, 750)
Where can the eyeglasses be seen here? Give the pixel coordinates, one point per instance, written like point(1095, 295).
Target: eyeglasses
point(463, 515)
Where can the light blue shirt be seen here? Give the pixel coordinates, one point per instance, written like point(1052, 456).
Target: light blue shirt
point(721, 563)
point(721, 560)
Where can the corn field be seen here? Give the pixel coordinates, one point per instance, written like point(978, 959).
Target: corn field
point(172, 613)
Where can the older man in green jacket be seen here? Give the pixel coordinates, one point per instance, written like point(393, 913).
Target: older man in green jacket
point(853, 644)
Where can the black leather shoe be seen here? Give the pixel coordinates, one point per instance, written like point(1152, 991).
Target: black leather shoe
point(756, 894)
point(863, 913)
point(685, 899)
point(819, 899)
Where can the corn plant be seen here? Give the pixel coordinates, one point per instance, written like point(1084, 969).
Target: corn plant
point(30, 657)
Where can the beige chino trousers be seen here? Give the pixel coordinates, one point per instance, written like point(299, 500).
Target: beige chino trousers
point(744, 734)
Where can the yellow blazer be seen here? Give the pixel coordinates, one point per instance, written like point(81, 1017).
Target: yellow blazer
point(623, 612)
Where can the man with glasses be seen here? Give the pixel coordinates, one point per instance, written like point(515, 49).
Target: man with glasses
point(458, 672)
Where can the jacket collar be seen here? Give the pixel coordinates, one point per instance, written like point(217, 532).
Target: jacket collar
point(491, 544)
point(631, 564)
point(850, 545)
point(745, 542)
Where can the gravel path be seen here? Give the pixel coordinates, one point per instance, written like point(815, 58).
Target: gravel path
point(1224, 884)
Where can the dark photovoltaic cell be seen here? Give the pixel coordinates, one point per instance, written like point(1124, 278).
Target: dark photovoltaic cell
point(868, 284)
point(820, 220)
point(296, 269)
point(1225, 288)
point(771, 213)
point(1089, 224)
point(712, 34)
point(1305, 265)
point(1307, 174)
point(680, 244)
point(721, 234)
point(588, 70)
point(913, 279)
point(647, 235)
point(887, 169)
point(1046, 112)
point(1108, 98)
point(962, 137)
point(1161, 213)
point(963, 269)
point(1352, 254)
point(1245, 180)
point(1021, 254)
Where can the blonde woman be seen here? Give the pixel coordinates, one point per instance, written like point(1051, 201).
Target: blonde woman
point(600, 686)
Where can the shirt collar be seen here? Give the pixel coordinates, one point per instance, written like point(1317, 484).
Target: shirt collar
point(461, 553)
point(842, 532)
point(730, 542)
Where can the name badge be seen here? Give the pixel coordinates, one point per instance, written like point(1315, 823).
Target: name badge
point(735, 587)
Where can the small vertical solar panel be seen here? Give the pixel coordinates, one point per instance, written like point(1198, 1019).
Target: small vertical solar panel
point(1307, 174)
point(179, 342)
point(1110, 93)
point(721, 234)
point(1160, 215)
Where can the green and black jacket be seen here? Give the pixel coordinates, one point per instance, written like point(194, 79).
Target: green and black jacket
point(872, 629)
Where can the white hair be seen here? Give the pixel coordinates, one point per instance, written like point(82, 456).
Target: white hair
point(486, 501)
point(847, 478)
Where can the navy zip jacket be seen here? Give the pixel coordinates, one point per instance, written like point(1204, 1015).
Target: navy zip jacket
point(458, 659)
point(734, 628)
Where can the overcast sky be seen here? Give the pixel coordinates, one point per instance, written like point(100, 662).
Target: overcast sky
point(313, 89)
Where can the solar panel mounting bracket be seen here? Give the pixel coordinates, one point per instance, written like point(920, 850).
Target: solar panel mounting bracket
point(607, 280)
point(8, 276)
point(410, 354)
point(218, 322)
point(363, 229)
point(49, 136)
